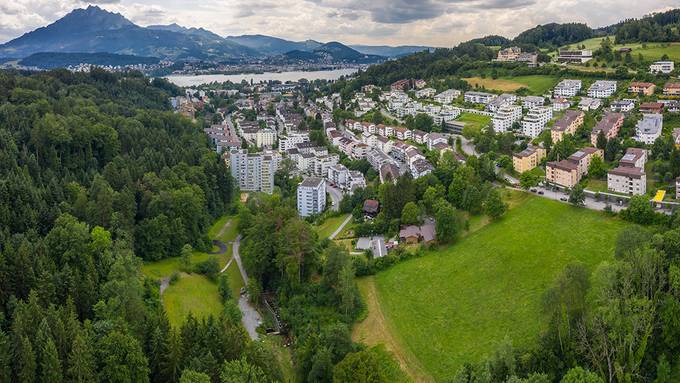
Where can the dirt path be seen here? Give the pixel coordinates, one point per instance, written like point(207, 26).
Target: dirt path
point(374, 330)
point(226, 225)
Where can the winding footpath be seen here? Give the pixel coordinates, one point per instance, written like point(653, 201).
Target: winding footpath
point(251, 317)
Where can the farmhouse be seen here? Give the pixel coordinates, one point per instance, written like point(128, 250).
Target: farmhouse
point(414, 234)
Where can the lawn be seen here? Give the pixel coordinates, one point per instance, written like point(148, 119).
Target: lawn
point(474, 122)
point(235, 280)
point(537, 84)
point(650, 52)
point(224, 229)
point(330, 225)
point(457, 304)
point(191, 293)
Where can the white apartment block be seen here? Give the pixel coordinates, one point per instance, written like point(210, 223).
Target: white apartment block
point(535, 121)
point(649, 128)
point(425, 93)
point(664, 67)
point(323, 163)
point(500, 101)
point(291, 140)
point(567, 88)
point(602, 89)
point(447, 96)
point(265, 137)
point(254, 172)
point(311, 196)
point(530, 102)
point(505, 117)
point(479, 97)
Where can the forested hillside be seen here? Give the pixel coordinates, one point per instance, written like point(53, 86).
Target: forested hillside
point(95, 172)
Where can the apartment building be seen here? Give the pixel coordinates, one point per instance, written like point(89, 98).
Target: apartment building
point(535, 121)
point(505, 117)
point(529, 102)
point(568, 124)
point(311, 196)
point(528, 158)
point(568, 172)
point(672, 89)
point(425, 93)
point(664, 67)
point(265, 138)
point(291, 140)
point(649, 128)
point(602, 89)
point(501, 101)
point(479, 97)
point(254, 172)
point(651, 107)
point(447, 96)
point(642, 88)
point(574, 56)
point(567, 88)
point(588, 103)
point(629, 177)
point(623, 106)
point(560, 104)
point(609, 125)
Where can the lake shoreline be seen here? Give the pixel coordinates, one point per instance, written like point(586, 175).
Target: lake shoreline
point(202, 79)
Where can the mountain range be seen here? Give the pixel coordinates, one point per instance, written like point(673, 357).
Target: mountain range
point(95, 30)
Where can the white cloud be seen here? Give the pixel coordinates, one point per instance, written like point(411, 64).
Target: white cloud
point(428, 22)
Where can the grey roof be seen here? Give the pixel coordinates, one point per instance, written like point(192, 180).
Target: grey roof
point(311, 182)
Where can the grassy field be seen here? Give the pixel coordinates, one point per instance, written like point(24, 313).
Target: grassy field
point(474, 122)
point(537, 84)
point(224, 229)
point(192, 293)
point(330, 225)
point(650, 51)
point(235, 280)
point(488, 286)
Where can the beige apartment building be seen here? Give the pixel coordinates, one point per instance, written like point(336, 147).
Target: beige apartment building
point(568, 124)
point(528, 158)
point(569, 172)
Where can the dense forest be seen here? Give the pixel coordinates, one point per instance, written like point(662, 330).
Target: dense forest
point(96, 172)
point(554, 35)
point(659, 27)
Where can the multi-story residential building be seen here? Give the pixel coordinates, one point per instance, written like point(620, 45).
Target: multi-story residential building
point(602, 89)
point(664, 67)
point(623, 106)
point(291, 140)
point(265, 138)
point(588, 103)
point(528, 158)
point(322, 163)
point(649, 128)
point(672, 89)
point(651, 107)
point(575, 56)
point(419, 136)
point(531, 59)
point(505, 117)
point(447, 96)
point(254, 172)
point(629, 177)
point(400, 85)
point(436, 138)
point(560, 104)
point(425, 93)
point(501, 101)
point(479, 97)
point(420, 167)
point(568, 124)
point(535, 121)
point(569, 172)
point(529, 102)
point(567, 88)
point(403, 134)
point(643, 88)
point(609, 125)
point(509, 54)
point(311, 196)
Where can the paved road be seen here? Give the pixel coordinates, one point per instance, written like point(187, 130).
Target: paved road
point(590, 202)
point(336, 196)
point(339, 229)
point(221, 247)
point(251, 318)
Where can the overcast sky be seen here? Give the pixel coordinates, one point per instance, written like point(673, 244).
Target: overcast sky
point(394, 22)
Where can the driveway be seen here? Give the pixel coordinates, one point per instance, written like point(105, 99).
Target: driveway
point(590, 202)
point(336, 196)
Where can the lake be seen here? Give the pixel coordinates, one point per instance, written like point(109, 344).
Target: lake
point(189, 80)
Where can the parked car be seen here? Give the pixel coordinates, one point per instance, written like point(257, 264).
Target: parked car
point(563, 199)
point(532, 190)
point(541, 192)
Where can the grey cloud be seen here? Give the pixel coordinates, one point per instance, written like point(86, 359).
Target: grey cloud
point(100, 1)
